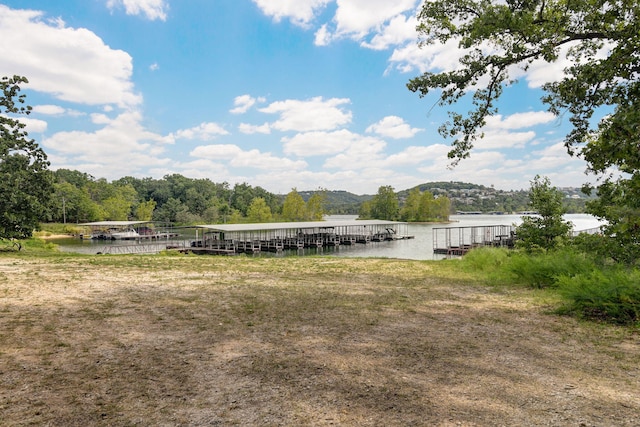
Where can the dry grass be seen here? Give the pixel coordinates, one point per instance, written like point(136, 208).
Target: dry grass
point(153, 340)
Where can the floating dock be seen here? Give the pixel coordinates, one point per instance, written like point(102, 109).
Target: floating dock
point(457, 241)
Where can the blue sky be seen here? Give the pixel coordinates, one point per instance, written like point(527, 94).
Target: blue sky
point(283, 94)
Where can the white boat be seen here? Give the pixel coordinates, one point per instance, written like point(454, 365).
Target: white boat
point(127, 234)
point(114, 230)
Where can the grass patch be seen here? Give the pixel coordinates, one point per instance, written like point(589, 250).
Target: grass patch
point(182, 340)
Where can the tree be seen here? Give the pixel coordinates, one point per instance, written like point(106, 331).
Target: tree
point(259, 211)
point(545, 230)
point(294, 208)
point(423, 207)
point(26, 184)
point(385, 204)
point(73, 204)
point(443, 208)
point(601, 40)
point(315, 206)
point(411, 208)
point(144, 210)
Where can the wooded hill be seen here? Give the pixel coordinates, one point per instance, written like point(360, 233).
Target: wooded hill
point(464, 196)
point(79, 197)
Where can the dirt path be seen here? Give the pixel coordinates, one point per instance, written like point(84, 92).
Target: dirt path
point(317, 341)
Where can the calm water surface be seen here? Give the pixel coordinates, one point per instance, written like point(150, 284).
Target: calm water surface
point(418, 248)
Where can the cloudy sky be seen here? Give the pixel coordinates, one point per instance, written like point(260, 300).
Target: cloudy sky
point(277, 93)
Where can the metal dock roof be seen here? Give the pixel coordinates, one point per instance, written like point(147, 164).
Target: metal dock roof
point(113, 223)
point(266, 226)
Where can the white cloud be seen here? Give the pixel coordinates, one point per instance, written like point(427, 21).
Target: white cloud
point(393, 127)
point(71, 64)
point(100, 119)
point(437, 57)
point(243, 103)
point(499, 131)
point(362, 153)
point(494, 139)
point(319, 143)
point(552, 157)
point(49, 110)
point(357, 18)
point(398, 31)
point(520, 120)
point(252, 129)
point(203, 132)
point(152, 9)
point(300, 12)
point(120, 148)
point(237, 157)
point(314, 114)
point(418, 154)
point(323, 36)
point(33, 125)
point(154, 66)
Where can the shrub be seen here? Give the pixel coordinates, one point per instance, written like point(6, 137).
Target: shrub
point(611, 295)
point(541, 270)
point(485, 259)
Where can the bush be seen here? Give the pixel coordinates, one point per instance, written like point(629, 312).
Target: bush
point(536, 270)
point(485, 259)
point(541, 270)
point(487, 262)
point(611, 295)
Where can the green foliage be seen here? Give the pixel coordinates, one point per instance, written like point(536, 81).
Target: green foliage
point(619, 204)
point(535, 270)
point(485, 259)
point(488, 264)
point(384, 204)
point(259, 211)
point(337, 202)
point(144, 210)
point(542, 270)
point(590, 290)
point(499, 38)
point(25, 181)
point(612, 295)
point(599, 39)
point(423, 207)
point(294, 207)
point(546, 230)
point(315, 206)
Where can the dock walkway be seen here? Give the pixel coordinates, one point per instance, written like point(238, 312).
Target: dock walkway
point(457, 241)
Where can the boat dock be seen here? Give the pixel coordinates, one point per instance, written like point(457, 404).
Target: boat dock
point(138, 231)
point(231, 239)
point(457, 241)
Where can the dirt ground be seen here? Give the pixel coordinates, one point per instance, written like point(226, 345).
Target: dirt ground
point(206, 341)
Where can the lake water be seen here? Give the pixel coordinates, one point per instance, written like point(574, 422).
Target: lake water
point(418, 248)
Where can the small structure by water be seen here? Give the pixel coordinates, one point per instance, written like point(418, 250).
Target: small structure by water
point(457, 241)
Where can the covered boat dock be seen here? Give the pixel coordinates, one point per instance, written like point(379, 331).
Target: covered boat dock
point(126, 230)
point(279, 236)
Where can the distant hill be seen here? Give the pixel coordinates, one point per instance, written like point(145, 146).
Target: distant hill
point(339, 202)
point(464, 196)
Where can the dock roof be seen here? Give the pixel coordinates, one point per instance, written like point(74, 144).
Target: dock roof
point(113, 223)
point(265, 226)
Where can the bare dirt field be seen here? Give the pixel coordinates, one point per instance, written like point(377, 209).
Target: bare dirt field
point(205, 341)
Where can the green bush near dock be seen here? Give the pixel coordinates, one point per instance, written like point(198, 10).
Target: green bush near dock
point(589, 288)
